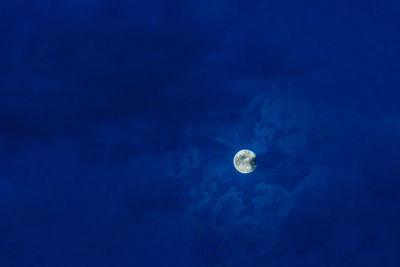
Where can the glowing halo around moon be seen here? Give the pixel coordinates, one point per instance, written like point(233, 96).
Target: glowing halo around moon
point(245, 161)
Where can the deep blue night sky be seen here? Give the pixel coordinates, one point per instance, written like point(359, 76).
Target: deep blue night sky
point(119, 121)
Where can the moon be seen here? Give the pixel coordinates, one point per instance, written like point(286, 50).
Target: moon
point(245, 161)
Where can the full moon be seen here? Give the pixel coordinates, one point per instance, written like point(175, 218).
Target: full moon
point(245, 161)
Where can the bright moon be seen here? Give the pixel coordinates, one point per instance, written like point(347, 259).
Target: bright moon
point(245, 161)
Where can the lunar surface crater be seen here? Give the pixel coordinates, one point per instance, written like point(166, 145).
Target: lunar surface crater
point(245, 161)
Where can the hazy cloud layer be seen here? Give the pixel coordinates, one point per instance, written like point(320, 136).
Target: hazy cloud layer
point(119, 122)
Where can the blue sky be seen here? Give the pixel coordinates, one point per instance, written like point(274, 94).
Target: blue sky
point(119, 121)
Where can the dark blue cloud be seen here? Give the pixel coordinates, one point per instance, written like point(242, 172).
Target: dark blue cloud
point(111, 61)
point(119, 121)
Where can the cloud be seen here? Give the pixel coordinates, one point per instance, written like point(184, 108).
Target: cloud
point(87, 66)
point(381, 165)
point(292, 208)
point(154, 103)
